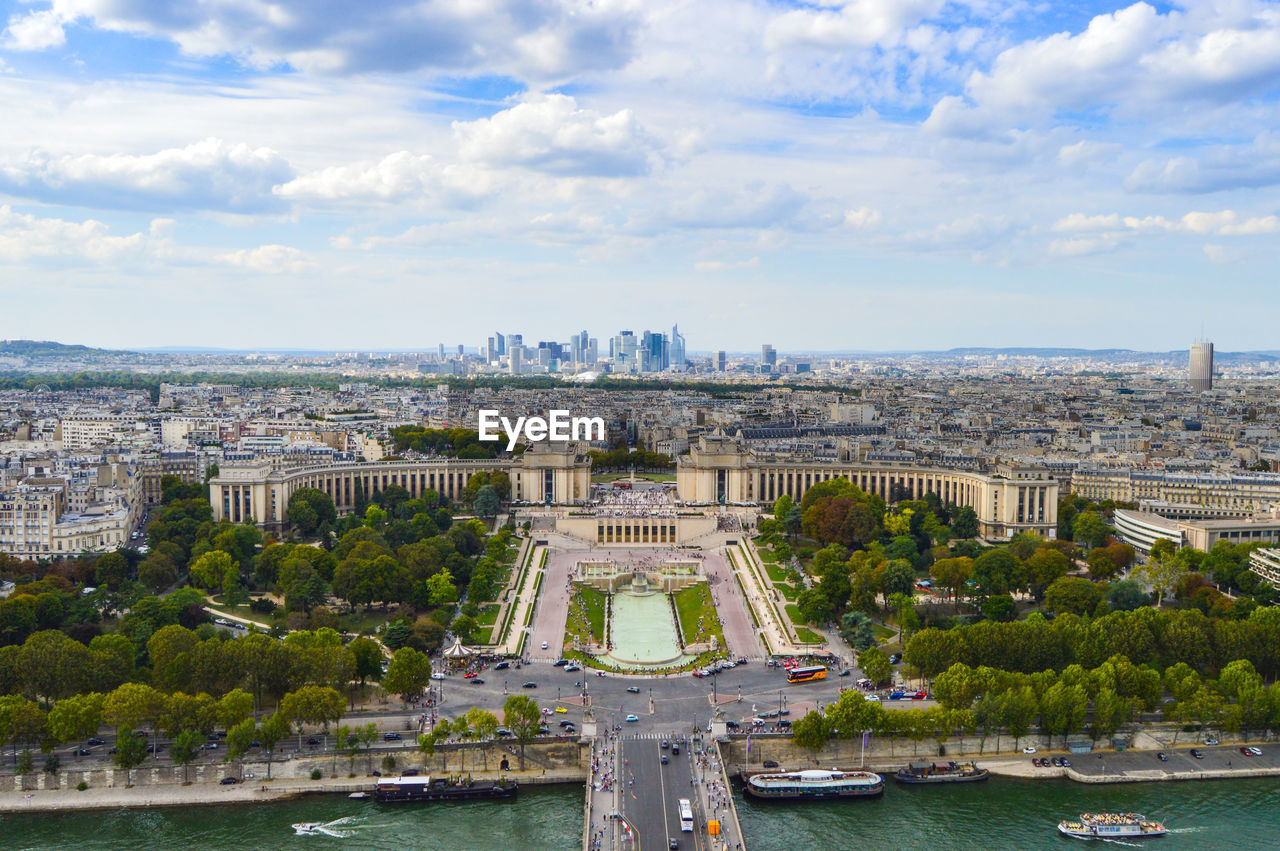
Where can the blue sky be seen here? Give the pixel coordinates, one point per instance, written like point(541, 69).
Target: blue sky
point(875, 174)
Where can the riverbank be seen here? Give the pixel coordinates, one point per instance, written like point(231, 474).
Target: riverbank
point(248, 792)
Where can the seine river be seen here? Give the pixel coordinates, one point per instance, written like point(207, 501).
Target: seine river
point(1000, 813)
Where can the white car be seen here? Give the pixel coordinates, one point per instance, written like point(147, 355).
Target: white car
point(437, 676)
point(1028, 749)
point(874, 697)
point(633, 718)
point(545, 645)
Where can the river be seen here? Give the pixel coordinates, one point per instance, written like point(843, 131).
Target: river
point(1001, 813)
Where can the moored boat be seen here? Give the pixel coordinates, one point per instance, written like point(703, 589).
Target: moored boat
point(815, 784)
point(945, 772)
point(1112, 826)
point(415, 789)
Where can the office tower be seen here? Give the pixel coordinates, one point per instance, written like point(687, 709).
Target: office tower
point(516, 359)
point(440, 352)
point(722, 362)
point(491, 350)
point(501, 341)
point(460, 350)
point(1201, 372)
point(515, 340)
point(768, 358)
point(677, 355)
point(593, 351)
point(651, 345)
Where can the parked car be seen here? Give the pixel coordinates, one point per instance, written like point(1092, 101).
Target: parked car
point(1255, 751)
point(1066, 763)
point(1197, 753)
point(1057, 762)
point(229, 781)
point(1245, 752)
point(895, 658)
point(437, 676)
point(1027, 749)
point(409, 772)
point(95, 742)
point(1162, 756)
point(391, 737)
point(560, 663)
point(845, 672)
point(566, 723)
point(84, 751)
point(1211, 741)
point(312, 740)
point(573, 667)
point(770, 763)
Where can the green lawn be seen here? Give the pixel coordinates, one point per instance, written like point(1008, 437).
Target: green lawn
point(793, 612)
point(808, 636)
point(776, 571)
point(766, 555)
point(882, 633)
point(790, 592)
point(488, 615)
point(586, 612)
point(696, 608)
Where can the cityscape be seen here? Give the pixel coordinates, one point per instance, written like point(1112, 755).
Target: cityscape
point(615, 426)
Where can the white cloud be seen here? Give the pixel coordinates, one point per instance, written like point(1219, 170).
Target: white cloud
point(863, 217)
point(552, 133)
point(1220, 223)
point(1081, 246)
point(396, 176)
point(1217, 169)
point(37, 30)
point(861, 23)
point(269, 259)
point(25, 237)
point(211, 174)
point(527, 38)
point(721, 265)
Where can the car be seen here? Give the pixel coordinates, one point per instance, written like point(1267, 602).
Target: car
point(1197, 753)
point(83, 751)
point(1255, 751)
point(784, 722)
point(502, 666)
point(732, 725)
point(698, 674)
point(1211, 741)
point(895, 658)
point(312, 740)
point(1162, 756)
point(546, 710)
point(675, 749)
point(728, 665)
point(529, 685)
point(543, 730)
point(633, 718)
point(95, 742)
point(665, 744)
point(673, 844)
point(845, 672)
point(391, 737)
point(504, 733)
point(1245, 752)
point(874, 697)
point(566, 723)
point(633, 689)
point(570, 730)
point(437, 676)
point(1066, 763)
point(476, 681)
point(561, 709)
point(229, 781)
point(665, 760)
point(573, 667)
point(742, 660)
point(155, 748)
point(210, 746)
point(1027, 749)
point(560, 663)
point(545, 645)
point(770, 763)
point(1056, 762)
point(409, 772)
point(469, 674)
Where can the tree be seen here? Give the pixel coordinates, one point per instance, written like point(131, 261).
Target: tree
point(1089, 530)
point(111, 570)
point(1127, 595)
point(522, 717)
point(1000, 608)
point(1073, 594)
point(1100, 564)
point(131, 750)
point(210, 570)
point(1017, 711)
point(997, 572)
point(486, 502)
point(875, 665)
point(24, 766)
point(898, 578)
point(407, 674)
point(858, 630)
point(1161, 573)
point(312, 705)
point(965, 524)
point(484, 725)
point(273, 729)
point(1063, 709)
point(76, 718)
point(368, 656)
point(309, 509)
point(812, 732)
point(240, 738)
point(1044, 567)
point(185, 748)
point(952, 573)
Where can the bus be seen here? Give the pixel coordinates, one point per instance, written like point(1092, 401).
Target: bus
point(686, 815)
point(806, 673)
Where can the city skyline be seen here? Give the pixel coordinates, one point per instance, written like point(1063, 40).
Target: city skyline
point(872, 175)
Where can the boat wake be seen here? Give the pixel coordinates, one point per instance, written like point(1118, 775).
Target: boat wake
point(329, 828)
point(1121, 842)
point(1186, 830)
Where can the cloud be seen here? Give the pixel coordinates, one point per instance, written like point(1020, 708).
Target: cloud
point(1221, 223)
point(551, 133)
point(209, 175)
point(527, 38)
point(35, 31)
point(25, 237)
point(1216, 253)
point(721, 265)
point(1228, 167)
point(1135, 59)
point(269, 259)
point(861, 23)
point(396, 176)
point(863, 217)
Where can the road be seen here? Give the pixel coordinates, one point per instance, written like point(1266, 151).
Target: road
point(649, 801)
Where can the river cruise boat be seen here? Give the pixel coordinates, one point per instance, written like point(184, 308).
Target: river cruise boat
point(815, 784)
point(1112, 826)
point(941, 772)
point(417, 789)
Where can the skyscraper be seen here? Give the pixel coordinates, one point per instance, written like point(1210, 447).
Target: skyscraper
point(501, 340)
point(722, 361)
point(677, 348)
point(1201, 372)
point(768, 358)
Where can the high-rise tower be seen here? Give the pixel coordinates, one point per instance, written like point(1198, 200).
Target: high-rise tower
point(1201, 371)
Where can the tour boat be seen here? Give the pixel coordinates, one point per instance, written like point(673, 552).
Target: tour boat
point(413, 789)
point(947, 772)
point(1112, 826)
point(815, 784)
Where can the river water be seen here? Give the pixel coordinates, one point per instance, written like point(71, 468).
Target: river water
point(1001, 813)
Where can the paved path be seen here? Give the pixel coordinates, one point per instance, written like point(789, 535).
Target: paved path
point(553, 607)
point(739, 630)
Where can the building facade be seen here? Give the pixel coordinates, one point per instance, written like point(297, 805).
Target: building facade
point(721, 469)
point(1201, 367)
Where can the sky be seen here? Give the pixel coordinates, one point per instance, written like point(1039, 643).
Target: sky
point(825, 175)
